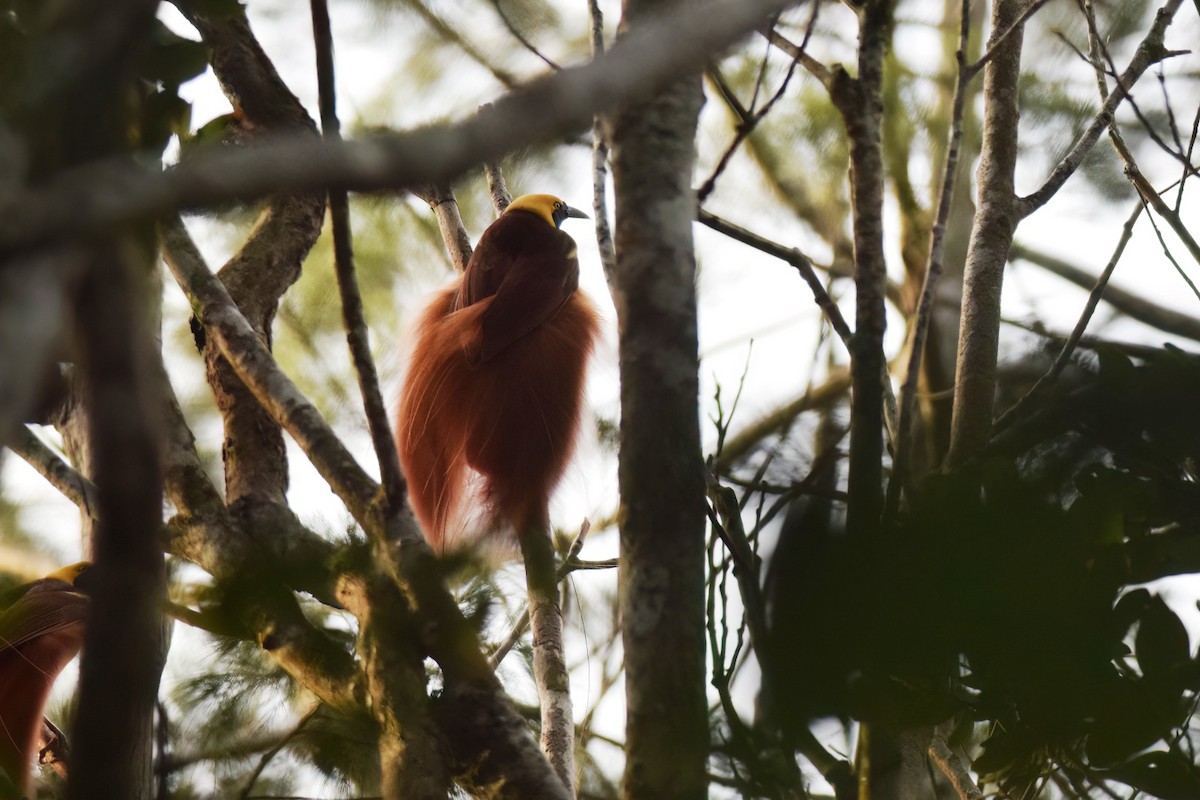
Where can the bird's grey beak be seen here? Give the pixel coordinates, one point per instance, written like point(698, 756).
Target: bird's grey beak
point(575, 212)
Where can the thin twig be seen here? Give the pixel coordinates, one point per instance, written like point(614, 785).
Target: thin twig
point(520, 37)
point(933, 273)
point(353, 316)
point(1097, 50)
point(1064, 355)
point(1150, 51)
point(793, 256)
point(1128, 303)
point(818, 70)
point(274, 751)
point(604, 240)
point(1190, 149)
point(750, 118)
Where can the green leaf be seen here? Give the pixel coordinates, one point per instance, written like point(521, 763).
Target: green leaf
point(1124, 728)
point(1161, 643)
point(1165, 775)
point(171, 59)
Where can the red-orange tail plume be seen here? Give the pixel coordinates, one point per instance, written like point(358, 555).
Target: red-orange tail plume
point(495, 387)
point(512, 418)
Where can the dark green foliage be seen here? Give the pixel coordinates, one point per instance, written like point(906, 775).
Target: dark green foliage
point(1001, 597)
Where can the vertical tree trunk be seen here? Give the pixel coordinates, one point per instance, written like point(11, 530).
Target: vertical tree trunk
point(991, 237)
point(661, 473)
point(85, 112)
point(124, 645)
point(860, 102)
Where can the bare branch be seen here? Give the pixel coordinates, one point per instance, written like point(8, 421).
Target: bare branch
point(818, 70)
point(496, 187)
point(353, 316)
point(859, 101)
point(1064, 355)
point(997, 42)
point(95, 198)
point(569, 564)
point(411, 761)
point(61, 475)
point(604, 241)
point(933, 273)
point(1132, 305)
point(950, 765)
point(995, 221)
point(836, 385)
point(445, 209)
point(1149, 52)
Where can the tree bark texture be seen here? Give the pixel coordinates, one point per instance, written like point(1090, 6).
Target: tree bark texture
point(87, 60)
point(991, 237)
point(660, 477)
point(269, 262)
point(549, 660)
point(412, 764)
point(124, 646)
point(861, 105)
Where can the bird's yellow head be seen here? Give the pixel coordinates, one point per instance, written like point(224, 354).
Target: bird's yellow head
point(70, 573)
point(546, 206)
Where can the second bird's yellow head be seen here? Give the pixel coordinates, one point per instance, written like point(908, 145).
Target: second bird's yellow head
point(546, 206)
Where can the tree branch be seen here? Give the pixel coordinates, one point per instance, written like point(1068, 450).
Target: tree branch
point(95, 198)
point(953, 769)
point(995, 221)
point(58, 473)
point(604, 241)
point(440, 198)
point(1132, 305)
point(933, 273)
point(860, 103)
point(1149, 52)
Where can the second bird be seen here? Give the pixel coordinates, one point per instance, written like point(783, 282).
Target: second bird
point(494, 390)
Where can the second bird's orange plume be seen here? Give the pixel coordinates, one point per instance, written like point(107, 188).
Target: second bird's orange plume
point(495, 384)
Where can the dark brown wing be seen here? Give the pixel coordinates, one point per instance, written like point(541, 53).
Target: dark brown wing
point(49, 605)
point(534, 289)
point(530, 269)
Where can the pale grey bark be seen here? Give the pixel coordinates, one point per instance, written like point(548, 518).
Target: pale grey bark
point(996, 219)
point(660, 476)
point(549, 659)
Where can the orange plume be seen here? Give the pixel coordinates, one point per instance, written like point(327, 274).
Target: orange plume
point(495, 385)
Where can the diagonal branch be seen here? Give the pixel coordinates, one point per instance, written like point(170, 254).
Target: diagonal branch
point(1149, 52)
point(1128, 303)
point(96, 197)
point(58, 473)
point(251, 359)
